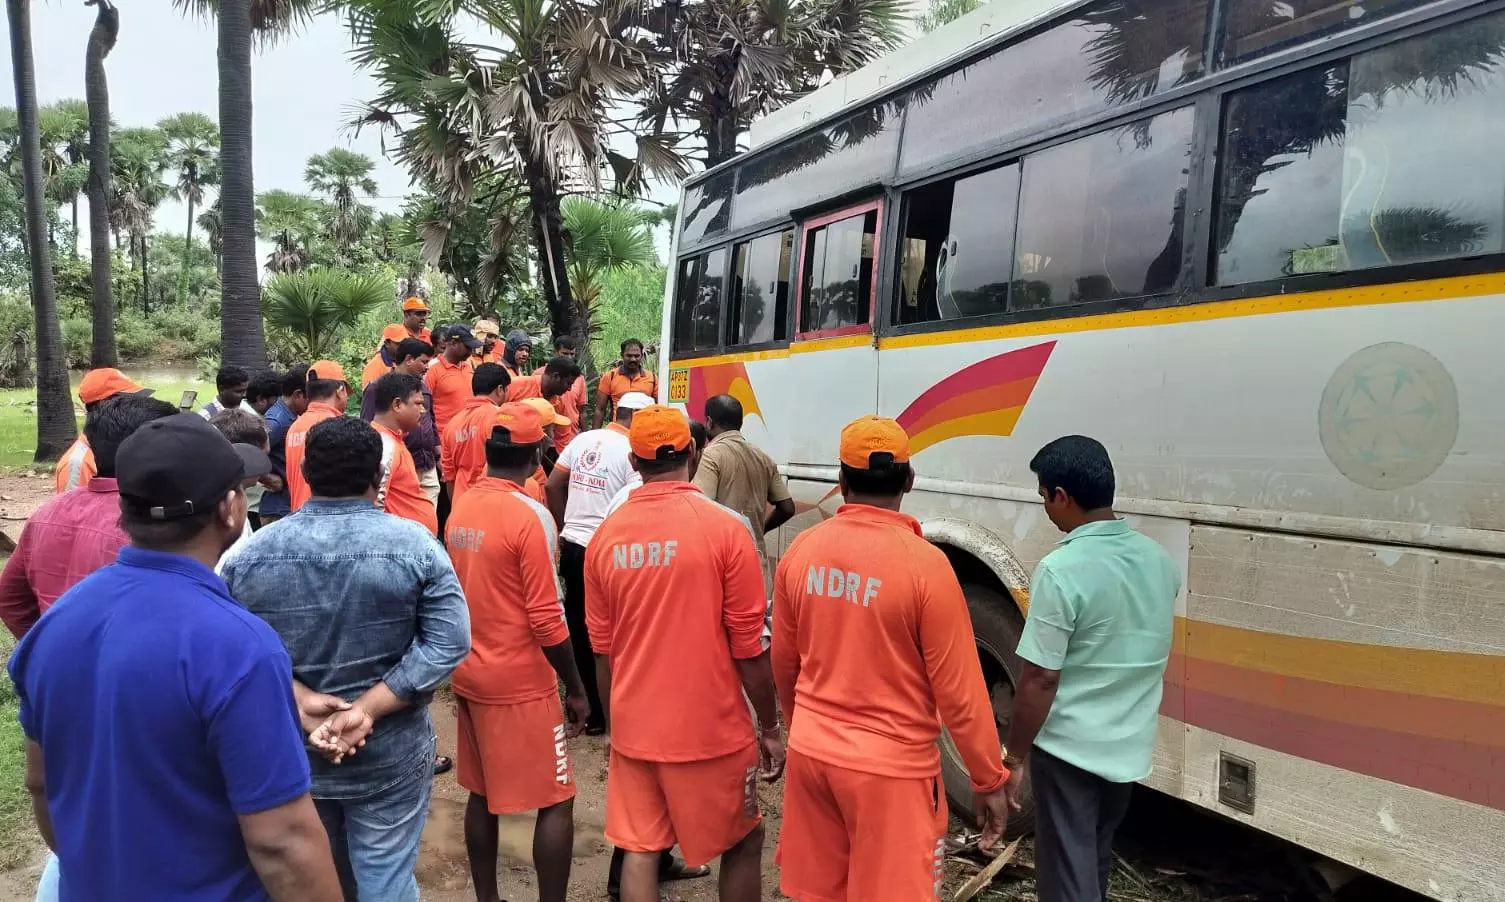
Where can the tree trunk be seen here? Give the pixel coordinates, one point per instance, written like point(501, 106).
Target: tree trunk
point(187, 248)
point(56, 427)
point(73, 245)
point(102, 351)
point(243, 341)
point(548, 237)
point(146, 275)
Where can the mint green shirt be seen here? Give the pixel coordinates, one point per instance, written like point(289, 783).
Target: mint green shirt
point(1101, 610)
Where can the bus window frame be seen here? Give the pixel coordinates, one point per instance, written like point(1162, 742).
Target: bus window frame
point(803, 228)
point(703, 251)
point(731, 254)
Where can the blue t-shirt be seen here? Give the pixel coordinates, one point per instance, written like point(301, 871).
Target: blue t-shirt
point(163, 710)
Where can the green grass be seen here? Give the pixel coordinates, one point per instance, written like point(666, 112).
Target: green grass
point(18, 410)
point(19, 840)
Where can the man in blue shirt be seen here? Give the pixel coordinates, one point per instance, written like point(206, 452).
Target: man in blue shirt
point(164, 750)
point(280, 417)
point(369, 608)
point(1095, 646)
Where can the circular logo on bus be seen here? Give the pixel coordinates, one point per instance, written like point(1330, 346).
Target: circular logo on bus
point(1388, 416)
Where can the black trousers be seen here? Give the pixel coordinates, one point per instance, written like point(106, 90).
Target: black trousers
point(572, 569)
point(1076, 814)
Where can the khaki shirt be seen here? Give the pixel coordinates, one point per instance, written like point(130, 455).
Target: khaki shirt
point(738, 474)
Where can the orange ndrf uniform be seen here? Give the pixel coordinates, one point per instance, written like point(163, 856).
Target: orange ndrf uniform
point(462, 445)
point(674, 598)
point(298, 491)
point(511, 746)
point(76, 467)
point(399, 492)
point(449, 383)
point(864, 593)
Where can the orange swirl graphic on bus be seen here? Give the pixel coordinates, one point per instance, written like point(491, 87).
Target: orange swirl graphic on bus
point(985, 398)
point(721, 379)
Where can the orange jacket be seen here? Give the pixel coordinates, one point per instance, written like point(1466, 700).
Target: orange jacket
point(462, 446)
point(298, 491)
point(873, 651)
point(399, 492)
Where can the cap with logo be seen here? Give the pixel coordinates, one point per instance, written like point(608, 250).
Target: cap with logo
point(395, 332)
point(414, 304)
point(659, 432)
point(180, 465)
point(635, 400)
point(546, 412)
point(517, 423)
point(103, 384)
point(327, 369)
point(462, 334)
point(870, 442)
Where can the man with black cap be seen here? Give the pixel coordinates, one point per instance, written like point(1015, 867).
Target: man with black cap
point(164, 707)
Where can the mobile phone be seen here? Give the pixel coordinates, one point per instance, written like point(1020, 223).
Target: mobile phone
point(189, 398)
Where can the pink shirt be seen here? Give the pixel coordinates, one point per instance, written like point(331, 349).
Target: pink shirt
point(67, 539)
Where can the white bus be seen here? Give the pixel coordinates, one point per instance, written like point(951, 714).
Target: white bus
point(1255, 247)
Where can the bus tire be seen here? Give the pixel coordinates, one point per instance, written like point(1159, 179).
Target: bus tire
point(997, 625)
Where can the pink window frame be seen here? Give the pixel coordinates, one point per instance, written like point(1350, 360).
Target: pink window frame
point(809, 225)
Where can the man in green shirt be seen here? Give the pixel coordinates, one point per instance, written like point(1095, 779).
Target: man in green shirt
point(1095, 646)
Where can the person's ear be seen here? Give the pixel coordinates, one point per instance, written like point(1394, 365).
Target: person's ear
point(633, 459)
point(909, 481)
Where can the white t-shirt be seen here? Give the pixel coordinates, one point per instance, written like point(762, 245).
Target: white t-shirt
point(599, 468)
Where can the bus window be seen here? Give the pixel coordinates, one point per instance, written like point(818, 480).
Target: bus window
point(1391, 157)
point(697, 303)
point(708, 209)
point(1101, 217)
point(957, 248)
point(1253, 28)
point(836, 282)
point(760, 289)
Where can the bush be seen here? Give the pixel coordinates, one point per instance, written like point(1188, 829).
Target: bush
point(78, 334)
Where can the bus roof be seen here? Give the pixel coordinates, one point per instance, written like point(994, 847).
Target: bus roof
point(989, 24)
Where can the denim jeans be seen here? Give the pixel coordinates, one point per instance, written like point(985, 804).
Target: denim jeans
point(375, 839)
point(47, 890)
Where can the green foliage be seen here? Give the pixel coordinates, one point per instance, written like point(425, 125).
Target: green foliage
point(631, 306)
point(942, 12)
point(293, 223)
point(314, 307)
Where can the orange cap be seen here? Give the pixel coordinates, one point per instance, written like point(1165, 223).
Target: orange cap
point(327, 369)
point(414, 303)
point(395, 332)
point(546, 412)
point(101, 385)
point(867, 436)
point(522, 422)
point(657, 432)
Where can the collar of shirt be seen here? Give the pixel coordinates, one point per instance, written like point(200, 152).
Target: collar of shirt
point(104, 485)
point(617, 428)
point(882, 516)
point(329, 407)
point(280, 412)
point(375, 424)
point(167, 562)
point(324, 507)
point(730, 435)
point(650, 489)
point(444, 362)
point(1115, 527)
point(478, 401)
point(496, 484)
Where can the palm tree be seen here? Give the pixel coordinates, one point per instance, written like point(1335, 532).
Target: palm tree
point(193, 150)
point(290, 221)
point(242, 336)
point(65, 139)
point(603, 237)
point(56, 427)
point(315, 306)
point(102, 349)
point(138, 161)
point(344, 175)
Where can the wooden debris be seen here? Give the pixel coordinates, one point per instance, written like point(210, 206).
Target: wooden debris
point(979, 882)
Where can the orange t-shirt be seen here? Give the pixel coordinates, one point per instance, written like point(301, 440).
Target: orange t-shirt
point(503, 546)
point(298, 491)
point(864, 593)
point(569, 406)
point(376, 368)
point(76, 467)
point(674, 595)
point(462, 447)
point(449, 383)
point(423, 334)
point(524, 387)
point(399, 493)
point(615, 383)
point(534, 489)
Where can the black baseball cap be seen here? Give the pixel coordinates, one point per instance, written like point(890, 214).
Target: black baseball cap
point(463, 334)
point(180, 465)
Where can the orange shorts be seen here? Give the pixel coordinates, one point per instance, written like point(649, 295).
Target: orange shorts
point(853, 836)
point(514, 755)
point(705, 806)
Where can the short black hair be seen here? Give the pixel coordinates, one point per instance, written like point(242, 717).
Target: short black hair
point(1080, 467)
point(725, 411)
point(564, 367)
point(564, 341)
point(266, 385)
point(506, 456)
point(487, 378)
point(394, 387)
point(883, 481)
point(317, 389)
point(231, 376)
point(409, 348)
point(341, 458)
point(164, 535)
point(241, 427)
point(113, 421)
point(296, 380)
point(629, 343)
point(698, 434)
point(649, 466)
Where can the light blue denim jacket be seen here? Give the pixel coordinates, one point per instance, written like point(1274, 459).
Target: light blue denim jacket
point(359, 597)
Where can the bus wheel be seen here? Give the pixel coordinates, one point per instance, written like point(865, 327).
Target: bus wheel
point(997, 624)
